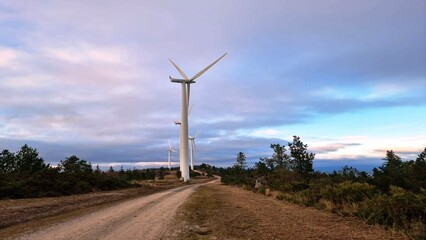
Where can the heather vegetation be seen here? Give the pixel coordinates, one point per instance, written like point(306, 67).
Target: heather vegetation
point(24, 175)
point(394, 195)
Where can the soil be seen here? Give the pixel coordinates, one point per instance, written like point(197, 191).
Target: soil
point(217, 211)
point(22, 215)
point(138, 218)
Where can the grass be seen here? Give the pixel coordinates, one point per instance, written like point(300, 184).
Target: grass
point(224, 212)
point(208, 215)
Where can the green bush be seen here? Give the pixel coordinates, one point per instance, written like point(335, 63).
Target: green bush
point(307, 197)
point(400, 209)
point(82, 187)
point(288, 186)
point(238, 176)
point(178, 174)
point(280, 186)
point(347, 192)
point(66, 187)
point(193, 174)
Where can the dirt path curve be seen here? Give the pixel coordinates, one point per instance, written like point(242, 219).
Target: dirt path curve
point(140, 218)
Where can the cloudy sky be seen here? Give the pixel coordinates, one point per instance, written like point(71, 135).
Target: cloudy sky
point(90, 78)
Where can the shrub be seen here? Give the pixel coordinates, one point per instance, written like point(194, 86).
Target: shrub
point(193, 174)
point(281, 186)
point(347, 192)
point(401, 209)
point(237, 176)
point(66, 187)
point(307, 197)
point(288, 186)
point(82, 187)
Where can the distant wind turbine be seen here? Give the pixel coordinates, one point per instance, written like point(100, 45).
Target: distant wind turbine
point(189, 113)
point(186, 82)
point(169, 151)
point(192, 148)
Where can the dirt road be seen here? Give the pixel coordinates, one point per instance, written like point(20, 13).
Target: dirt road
point(140, 218)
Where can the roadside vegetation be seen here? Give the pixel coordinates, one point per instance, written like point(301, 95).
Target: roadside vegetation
point(217, 211)
point(394, 195)
point(24, 174)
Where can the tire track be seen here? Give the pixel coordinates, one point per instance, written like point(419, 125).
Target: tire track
point(140, 218)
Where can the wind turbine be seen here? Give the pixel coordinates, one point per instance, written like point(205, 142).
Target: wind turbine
point(192, 147)
point(169, 153)
point(189, 113)
point(186, 82)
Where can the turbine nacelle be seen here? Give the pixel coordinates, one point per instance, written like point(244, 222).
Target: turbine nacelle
point(169, 154)
point(170, 148)
point(175, 80)
point(191, 80)
point(193, 137)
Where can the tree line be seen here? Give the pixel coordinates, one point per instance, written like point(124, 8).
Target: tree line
point(394, 195)
point(24, 174)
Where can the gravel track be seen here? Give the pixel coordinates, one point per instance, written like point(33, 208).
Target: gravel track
point(141, 218)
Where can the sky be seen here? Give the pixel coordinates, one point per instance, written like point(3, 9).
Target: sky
point(91, 79)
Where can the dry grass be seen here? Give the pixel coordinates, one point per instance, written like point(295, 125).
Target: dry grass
point(225, 212)
point(327, 205)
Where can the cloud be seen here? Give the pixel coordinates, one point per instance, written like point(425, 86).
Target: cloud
point(82, 74)
point(7, 57)
point(85, 54)
point(332, 147)
point(405, 153)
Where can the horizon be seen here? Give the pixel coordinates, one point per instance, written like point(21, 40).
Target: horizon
point(323, 166)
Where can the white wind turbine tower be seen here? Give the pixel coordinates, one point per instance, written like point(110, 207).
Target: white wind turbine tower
point(169, 155)
point(178, 123)
point(186, 82)
point(189, 113)
point(192, 148)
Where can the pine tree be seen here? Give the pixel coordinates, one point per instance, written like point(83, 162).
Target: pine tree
point(241, 161)
point(7, 162)
point(390, 173)
point(28, 161)
point(300, 159)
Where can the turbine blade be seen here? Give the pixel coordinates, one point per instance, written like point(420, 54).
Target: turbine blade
point(190, 109)
point(179, 70)
point(195, 136)
point(189, 93)
point(207, 68)
point(193, 143)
